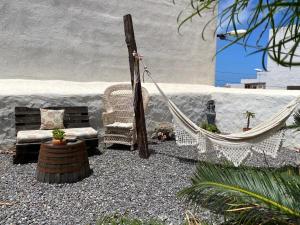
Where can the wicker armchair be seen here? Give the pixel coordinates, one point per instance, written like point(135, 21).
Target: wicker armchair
point(118, 119)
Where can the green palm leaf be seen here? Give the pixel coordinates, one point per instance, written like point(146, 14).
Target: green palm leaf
point(246, 195)
point(296, 123)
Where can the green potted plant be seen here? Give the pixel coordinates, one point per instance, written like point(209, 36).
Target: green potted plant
point(58, 137)
point(248, 116)
point(210, 127)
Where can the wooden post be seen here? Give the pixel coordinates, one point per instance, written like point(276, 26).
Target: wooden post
point(137, 88)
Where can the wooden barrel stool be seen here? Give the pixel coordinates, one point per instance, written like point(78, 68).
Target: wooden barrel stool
point(63, 163)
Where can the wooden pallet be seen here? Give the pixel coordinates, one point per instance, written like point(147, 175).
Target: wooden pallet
point(30, 119)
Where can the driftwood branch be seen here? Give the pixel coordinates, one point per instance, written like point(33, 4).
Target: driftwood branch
point(7, 203)
point(137, 88)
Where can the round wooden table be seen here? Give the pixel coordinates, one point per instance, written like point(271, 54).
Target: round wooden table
point(63, 163)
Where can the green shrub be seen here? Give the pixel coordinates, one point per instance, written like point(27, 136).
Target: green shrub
point(126, 220)
point(210, 127)
point(246, 195)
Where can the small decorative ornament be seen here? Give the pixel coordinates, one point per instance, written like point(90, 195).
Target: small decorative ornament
point(248, 116)
point(210, 112)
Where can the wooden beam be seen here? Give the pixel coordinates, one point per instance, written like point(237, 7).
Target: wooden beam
point(131, 44)
point(137, 88)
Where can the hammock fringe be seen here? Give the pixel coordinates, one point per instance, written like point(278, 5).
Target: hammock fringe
point(265, 138)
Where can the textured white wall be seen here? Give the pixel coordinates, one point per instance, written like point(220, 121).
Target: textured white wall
point(83, 40)
point(279, 77)
point(191, 99)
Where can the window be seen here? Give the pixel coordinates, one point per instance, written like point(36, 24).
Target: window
point(293, 87)
point(255, 86)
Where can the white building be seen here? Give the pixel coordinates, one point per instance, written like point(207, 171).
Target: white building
point(277, 77)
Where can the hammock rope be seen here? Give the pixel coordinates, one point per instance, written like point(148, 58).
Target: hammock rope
point(264, 138)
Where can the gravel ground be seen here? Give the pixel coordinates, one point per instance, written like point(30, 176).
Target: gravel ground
point(121, 182)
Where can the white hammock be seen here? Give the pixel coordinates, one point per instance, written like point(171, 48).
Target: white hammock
point(264, 138)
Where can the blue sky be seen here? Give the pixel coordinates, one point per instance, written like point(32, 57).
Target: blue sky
point(235, 63)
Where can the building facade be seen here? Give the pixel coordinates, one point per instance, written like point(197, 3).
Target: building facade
point(276, 76)
point(84, 41)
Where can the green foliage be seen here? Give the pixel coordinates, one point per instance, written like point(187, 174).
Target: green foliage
point(191, 219)
point(248, 116)
point(210, 127)
point(125, 220)
point(264, 15)
point(58, 134)
point(296, 124)
point(246, 195)
point(117, 219)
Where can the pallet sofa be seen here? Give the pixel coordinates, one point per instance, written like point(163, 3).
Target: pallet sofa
point(29, 135)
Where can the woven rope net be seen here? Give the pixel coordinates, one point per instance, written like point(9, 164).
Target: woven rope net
point(234, 152)
point(266, 138)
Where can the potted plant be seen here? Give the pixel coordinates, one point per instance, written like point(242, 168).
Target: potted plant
point(248, 116)
point(58, 137)
point(210, 127)
point(164, 132)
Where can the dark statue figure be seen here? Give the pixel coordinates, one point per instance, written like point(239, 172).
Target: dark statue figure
point(210, 112)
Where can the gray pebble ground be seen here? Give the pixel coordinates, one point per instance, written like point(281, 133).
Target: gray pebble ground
point(121, 181)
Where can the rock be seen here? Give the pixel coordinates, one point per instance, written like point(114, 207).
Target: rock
point(121, 182)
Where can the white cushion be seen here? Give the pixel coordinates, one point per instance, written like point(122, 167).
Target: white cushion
point(52, 119)
point(120, 125)
point(36, 136)
point(84, 132)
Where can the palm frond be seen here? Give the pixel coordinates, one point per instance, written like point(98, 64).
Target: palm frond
point(246, 195)
point(296, 124)
point(279, 16)
point(124, 219)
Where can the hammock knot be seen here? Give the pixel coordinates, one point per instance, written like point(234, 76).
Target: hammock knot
point(137, 56)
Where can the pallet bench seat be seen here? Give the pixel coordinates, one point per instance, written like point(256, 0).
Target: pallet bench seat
point(30, 137)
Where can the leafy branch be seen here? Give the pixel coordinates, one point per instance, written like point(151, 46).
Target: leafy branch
point(246, 195)
point(281, 17)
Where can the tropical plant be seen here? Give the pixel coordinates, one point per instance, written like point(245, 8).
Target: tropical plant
point(248, 116)
point(124, 219)
point(210, 127)
point(191, 219)
point(296, 124)
point(118, 219)
point(244, 195)
point(261, 16)
point(58, 134)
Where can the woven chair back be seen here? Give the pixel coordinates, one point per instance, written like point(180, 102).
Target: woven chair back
point(119, 97)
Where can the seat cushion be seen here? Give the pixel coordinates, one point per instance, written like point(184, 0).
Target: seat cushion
point(37, 136)
point(120, 125)
point(84, 132)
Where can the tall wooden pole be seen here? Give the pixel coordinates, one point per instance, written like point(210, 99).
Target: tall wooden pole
point(137, 88)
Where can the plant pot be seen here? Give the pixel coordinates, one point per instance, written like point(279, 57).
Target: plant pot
point(59, 142)
point(246, 129)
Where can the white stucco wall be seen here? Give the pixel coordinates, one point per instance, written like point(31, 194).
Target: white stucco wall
point(83, 40)
point(279, 77)
point(191, 99)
